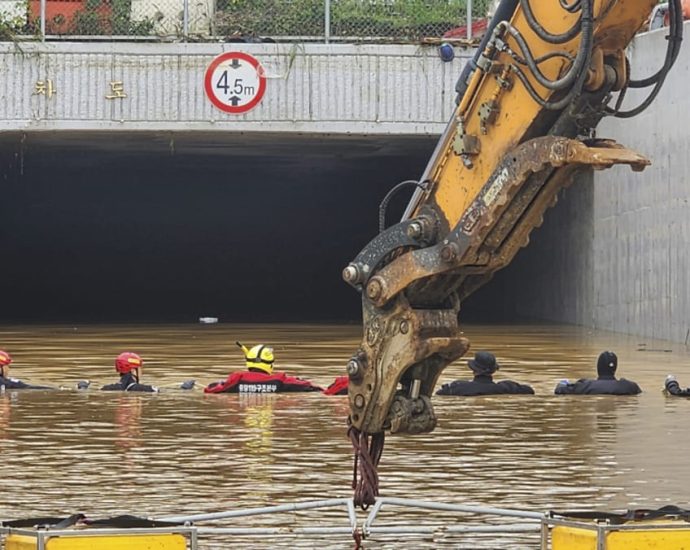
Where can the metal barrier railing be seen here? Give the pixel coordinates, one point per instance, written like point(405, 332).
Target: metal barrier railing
point(542, 525)
point(243, 20)
point(197, 534)
point(296, 507)
point(368, 529)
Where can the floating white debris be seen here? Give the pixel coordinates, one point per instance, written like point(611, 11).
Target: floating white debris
point(208, 320)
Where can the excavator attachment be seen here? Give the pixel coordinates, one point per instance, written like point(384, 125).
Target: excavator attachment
point(528, 104)
point(405, 349)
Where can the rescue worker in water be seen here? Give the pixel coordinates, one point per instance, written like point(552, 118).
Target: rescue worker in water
point(605, 384)
point(7, 383)
point(483, 366)
point(672, 387)
point(128, 365)
point(259, 376)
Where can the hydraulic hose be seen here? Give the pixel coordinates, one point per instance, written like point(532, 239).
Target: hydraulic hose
point(582, 60)
point(573, 72)
point(572, 8)
point(551, 55)
point(675, 37)
point(672, 49)
point(539, 60)
point(545, 35)
point(384, 203)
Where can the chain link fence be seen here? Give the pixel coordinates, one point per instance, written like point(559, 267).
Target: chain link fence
point(244, 20)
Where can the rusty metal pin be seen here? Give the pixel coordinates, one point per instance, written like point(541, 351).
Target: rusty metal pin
point(415, 388)
point(415, 230)
point(351, 274)
point(359, 401)
point(449, 252)
point(354, 369)
point(374, 288)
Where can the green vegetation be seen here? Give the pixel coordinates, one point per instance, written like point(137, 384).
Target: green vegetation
point(400, 19)
point(269, 17)
point(99, 17)
point(409, 19)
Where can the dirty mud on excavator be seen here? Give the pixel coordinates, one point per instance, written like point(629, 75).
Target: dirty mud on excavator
point(528, 104)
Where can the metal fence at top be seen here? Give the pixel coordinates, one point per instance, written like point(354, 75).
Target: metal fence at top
point(243, 20)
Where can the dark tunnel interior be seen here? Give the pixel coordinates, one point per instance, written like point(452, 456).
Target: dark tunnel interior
point(169, 228)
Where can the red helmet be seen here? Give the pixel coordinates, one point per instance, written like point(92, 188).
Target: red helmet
point(127, 362)
point(5, 358)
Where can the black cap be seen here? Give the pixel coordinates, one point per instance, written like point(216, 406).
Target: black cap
point(484, 363)
point(607, 363)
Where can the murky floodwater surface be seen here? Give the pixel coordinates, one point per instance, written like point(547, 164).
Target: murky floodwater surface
point(185, 452)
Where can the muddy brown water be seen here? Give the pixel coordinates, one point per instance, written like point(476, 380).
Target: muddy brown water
point(185, 452)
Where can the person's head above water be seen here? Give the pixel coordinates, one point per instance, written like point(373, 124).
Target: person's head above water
point(483, 364)
point(607, 364)
point(5, 361)
point(259, 358)
point(127, 362)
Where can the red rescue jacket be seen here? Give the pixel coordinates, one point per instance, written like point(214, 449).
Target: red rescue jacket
point(259, 382)
point(338, 387)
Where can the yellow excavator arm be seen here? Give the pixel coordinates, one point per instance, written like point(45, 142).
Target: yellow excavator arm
point(545, 74)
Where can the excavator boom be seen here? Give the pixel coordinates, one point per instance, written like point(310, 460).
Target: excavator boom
point(543, 77)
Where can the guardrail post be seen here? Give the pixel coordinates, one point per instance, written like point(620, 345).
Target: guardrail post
point(185, 18)
point(327, 20)
point(469, 19)
point(43, 19)
point(544, 535)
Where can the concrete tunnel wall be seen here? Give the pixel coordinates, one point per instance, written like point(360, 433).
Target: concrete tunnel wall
point(614, 253)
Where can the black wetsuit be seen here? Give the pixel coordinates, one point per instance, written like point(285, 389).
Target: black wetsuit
point(14, 384)
point(604, 385)
point(483, 385)
point(129, 383)
point(673, 388)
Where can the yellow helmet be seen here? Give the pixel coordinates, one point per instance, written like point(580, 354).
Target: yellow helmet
point(260, 357)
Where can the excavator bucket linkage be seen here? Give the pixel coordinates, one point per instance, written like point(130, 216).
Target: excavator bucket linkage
point(405, 348)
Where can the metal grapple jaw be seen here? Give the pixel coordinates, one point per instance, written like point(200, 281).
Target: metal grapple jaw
point(393, 374)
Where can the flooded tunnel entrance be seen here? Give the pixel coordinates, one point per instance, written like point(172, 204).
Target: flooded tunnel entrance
point(162, 227)
point(115, 227)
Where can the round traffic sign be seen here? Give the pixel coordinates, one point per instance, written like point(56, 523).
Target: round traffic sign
point(235, 82)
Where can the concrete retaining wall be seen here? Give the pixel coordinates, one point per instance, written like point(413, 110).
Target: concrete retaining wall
point(312, 88)
point(615, 252)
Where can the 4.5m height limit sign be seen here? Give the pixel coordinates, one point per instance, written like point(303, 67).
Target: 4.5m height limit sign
point(235, 82)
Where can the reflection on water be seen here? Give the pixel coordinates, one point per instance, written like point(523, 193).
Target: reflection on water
point(258, 422)
point(186, 452)
point(128, 422)
point(5, 411)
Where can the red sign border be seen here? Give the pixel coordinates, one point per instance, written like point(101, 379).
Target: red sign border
point(208, 84)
